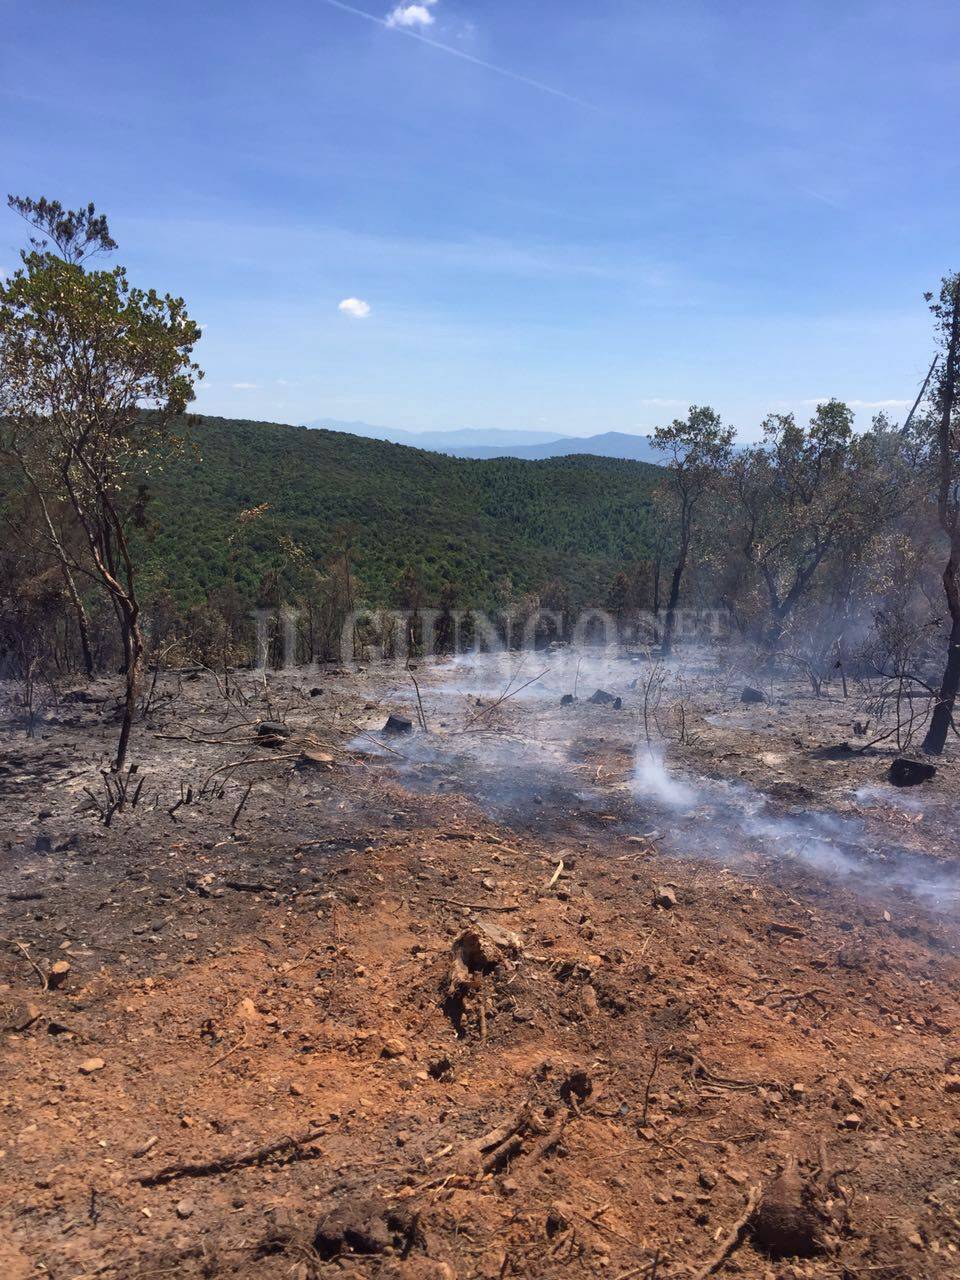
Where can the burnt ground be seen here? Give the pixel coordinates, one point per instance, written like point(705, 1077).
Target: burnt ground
point(369, 1025)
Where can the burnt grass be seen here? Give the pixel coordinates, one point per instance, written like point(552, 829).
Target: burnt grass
point(249, 1066)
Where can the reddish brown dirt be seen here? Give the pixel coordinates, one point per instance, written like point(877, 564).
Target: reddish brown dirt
point(294, 978)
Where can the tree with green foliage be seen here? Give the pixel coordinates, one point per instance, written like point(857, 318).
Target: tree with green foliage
point(698, 449)
point(93, 373)
point(807, 494)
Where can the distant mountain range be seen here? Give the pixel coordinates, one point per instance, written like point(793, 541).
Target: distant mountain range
point(470, 442)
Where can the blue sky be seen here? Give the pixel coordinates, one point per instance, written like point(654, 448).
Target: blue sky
point(572, 216)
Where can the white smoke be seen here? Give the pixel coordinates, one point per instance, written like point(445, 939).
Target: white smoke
point(653, 781)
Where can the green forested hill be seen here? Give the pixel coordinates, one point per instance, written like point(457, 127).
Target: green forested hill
point(486, 527)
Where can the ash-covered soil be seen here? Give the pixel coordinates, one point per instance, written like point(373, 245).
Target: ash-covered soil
point(512, 996)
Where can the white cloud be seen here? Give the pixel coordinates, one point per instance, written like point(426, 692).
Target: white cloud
point(412, 15)
point(355, 307)
point(246, 386)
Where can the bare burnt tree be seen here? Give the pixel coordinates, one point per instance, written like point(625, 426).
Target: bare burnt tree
point(946, 456)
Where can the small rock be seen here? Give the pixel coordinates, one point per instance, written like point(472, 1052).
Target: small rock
point(185, 1208)
point(91, 1065)
point(911, 773)
point(393, 1048)
point(665, 896)
point(18, 1016)
point(752, 695)
point(559, 1218)
point(398, 724)
point(59, 971)
point(314, 760)
point(247, 1010)
point(272, 731)
point(952, 1084)
point(601, 698)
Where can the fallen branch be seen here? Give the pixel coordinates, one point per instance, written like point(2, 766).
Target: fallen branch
point(731, 1239)
point(507, 693)
point(239, 764)
point(550, 1139)
point(365, 733)
point(233, 1049)
point(472, 906)
point(554, 878)
point(703, 1072)
point(239, 808)
point(44, 981)
point(646, 1093)
point(224, 1163)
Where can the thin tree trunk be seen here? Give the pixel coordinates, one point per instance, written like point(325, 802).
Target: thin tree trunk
point(669, 625)
point(942, 717)
point(83, 629)
point(133, 646)
point(82, 626)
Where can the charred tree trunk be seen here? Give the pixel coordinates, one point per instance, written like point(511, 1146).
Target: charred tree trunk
point(670, 623)
point(949, 513)
point(942, 719)
point(133, 652)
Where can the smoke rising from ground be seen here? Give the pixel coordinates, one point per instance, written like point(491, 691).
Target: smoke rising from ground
point(497, 732)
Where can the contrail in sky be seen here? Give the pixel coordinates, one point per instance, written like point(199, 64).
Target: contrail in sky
point(459, 53)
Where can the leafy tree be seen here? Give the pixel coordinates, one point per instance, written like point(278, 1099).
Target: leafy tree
point(946, 456)
point(698, 449)
point(93, 373)
point(794, 491)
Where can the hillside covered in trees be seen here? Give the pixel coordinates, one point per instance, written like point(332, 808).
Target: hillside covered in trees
point(137, 529)
point(484, 530)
